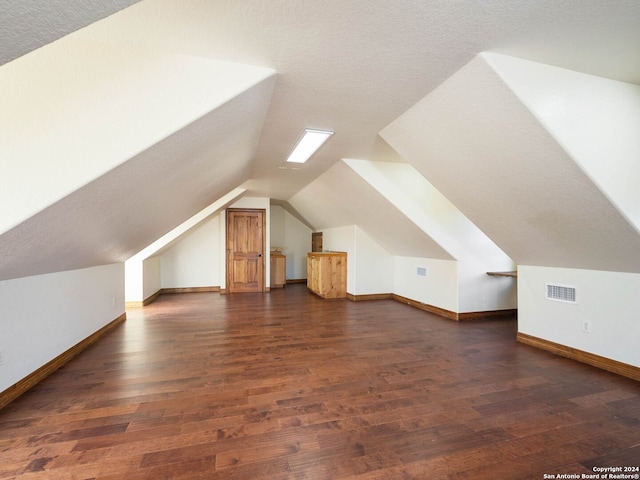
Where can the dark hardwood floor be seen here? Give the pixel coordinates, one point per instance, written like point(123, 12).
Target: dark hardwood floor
point(289, 386)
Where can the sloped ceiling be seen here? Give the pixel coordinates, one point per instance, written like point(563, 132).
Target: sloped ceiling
point(353, 66)
point(126, 209)
point(349, 66)
point(29, 24)
point(486, 152)
point(175, 236)
point(347, 199)
point(595, 120)
point(78, 109)
point(433, 213)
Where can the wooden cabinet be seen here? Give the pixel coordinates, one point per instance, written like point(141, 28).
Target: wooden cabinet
point(327, 274)
point(278, 270)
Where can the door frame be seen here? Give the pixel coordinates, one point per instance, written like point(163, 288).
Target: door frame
point(228, 266)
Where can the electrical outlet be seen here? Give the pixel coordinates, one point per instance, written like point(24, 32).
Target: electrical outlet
point(113, 302)
point(1, 357)
point(586, 326)
point(421, 271)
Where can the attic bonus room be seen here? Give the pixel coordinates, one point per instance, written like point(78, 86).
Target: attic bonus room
point(478, 170)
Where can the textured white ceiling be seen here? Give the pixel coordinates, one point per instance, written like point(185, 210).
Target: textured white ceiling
point(351, 66)
point(77, 109)
point(347, 199)
point(115, 216)
point(26, 25)
point(488, 154)
point(594, 119)
point(402, 186)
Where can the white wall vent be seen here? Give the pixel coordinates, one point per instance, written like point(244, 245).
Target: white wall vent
point(561, 293)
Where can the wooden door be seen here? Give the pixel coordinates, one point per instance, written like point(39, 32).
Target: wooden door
point(245, 250)
point(316, 242)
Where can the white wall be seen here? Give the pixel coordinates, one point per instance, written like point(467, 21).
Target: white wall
point(373, 266)
point(413, 195)
point(134, 280)
point(45, 315)
point(609, 300)
point(134, 265)
point(479, 292)
point(198, 260)
point(298, 244)
point(369, 266)
point(194, 261)
point(438, 288)
point(142, 278)
point(278, 226)
point(294, 237)
point(151, 279)
point(342, 239)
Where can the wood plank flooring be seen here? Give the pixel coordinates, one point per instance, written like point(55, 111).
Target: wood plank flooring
point(286, 385)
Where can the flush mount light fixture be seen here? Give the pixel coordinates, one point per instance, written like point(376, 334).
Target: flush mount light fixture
point(308, 144)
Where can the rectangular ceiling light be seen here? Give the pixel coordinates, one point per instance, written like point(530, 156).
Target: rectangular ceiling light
point(310, 142)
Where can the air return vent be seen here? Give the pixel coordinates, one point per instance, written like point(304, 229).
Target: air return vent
point(561, 293)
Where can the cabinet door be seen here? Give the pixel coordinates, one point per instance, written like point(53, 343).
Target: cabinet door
point(278, 269)
point(316, 242)
point(330, 277)
point(310, 273)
